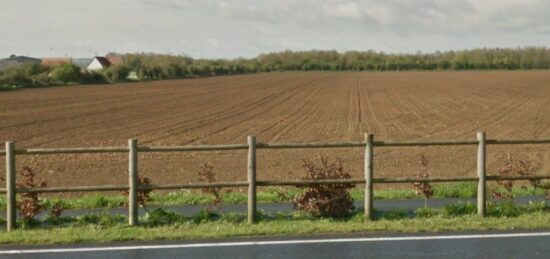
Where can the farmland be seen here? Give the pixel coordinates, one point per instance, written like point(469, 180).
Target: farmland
point(278, 107)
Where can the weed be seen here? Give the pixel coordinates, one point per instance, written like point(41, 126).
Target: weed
point(395, 214)
point(205, 215)
point(426, 212)
point(459, 209)
point(160, 216)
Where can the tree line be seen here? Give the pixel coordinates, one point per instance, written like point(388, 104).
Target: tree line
point(149, 66)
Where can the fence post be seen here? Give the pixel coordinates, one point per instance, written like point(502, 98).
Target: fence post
point(251, 179)
point(133, 183)
point(481, 173)
point(10, 187)
point(369, 155)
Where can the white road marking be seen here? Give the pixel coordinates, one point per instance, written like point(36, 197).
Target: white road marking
point(275, 242)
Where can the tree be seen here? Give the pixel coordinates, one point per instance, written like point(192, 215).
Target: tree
point(67, 73)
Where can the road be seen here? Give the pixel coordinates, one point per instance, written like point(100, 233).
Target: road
point(453, 245)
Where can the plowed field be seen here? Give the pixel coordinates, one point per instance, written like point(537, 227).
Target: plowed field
point(278, 107)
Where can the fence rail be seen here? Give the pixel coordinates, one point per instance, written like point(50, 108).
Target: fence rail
point(133, 187)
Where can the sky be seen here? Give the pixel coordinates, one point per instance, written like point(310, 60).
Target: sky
point(246, 28)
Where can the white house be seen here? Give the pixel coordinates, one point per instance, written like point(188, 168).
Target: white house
point(98, 63)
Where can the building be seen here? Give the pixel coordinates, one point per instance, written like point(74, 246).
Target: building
point(115, 59)
point(56, 62)
point(82, 63)
point(99, 63)
point(15, 61)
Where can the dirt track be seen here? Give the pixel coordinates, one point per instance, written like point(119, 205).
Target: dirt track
point(277, 107)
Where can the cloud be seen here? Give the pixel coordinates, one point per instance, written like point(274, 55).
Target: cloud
point(208, 28)
point(345, 10)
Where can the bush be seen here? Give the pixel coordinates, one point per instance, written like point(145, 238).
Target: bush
point(68, 73)
point(206, 174)
point(41, 79)
point(143, 196)
point(32, 69)
point(117, 72)
point(15, 77)
point(329, 200)
point(93, 77)
point(29, 206)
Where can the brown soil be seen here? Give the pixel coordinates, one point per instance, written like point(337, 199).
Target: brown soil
point(277, 107)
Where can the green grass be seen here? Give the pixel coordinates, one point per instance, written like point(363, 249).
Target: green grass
point(269, 195)
point(162, 224)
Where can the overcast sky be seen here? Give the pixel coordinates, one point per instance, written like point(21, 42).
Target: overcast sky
point(245, 28)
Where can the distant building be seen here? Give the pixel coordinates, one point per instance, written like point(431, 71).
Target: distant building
point(99, 63)
point(15, 61)
point(82, 63)
point(115, 59)
point(56, 62)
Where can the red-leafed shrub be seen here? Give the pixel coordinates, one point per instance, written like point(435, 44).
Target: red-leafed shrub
point(327, 200)
point(423, 188)
point(29, 206)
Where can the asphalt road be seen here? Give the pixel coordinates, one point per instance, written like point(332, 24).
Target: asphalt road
point(455, 245)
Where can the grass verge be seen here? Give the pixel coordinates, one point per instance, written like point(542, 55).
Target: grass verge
point(166, 225)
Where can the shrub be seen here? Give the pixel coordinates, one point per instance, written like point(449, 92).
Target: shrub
point(117, 72)
point(29, 206)
point(93, 77)
point(512, 167)
point(34, 68)
point(67, 73)
point(143, 196)
point(331, 200)
point(15, 77)
point(41, 79)
point(206, 174)
point(423, 188)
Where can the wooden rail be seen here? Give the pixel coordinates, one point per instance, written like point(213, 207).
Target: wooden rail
point(369, 180)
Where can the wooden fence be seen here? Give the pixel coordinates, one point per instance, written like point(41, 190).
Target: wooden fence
point(369, 180)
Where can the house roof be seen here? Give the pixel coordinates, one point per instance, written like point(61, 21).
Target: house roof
point(54, 62)
point(103, 61)
point(14, 61)
point(23, 59)
point(83, 63)
point(6, 63)
point(115, 59)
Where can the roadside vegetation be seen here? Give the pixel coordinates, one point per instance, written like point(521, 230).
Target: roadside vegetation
point(164, 224)
point(318, 209)
point(149, 66)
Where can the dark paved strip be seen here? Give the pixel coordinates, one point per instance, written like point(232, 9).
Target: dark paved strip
point(379, 205)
